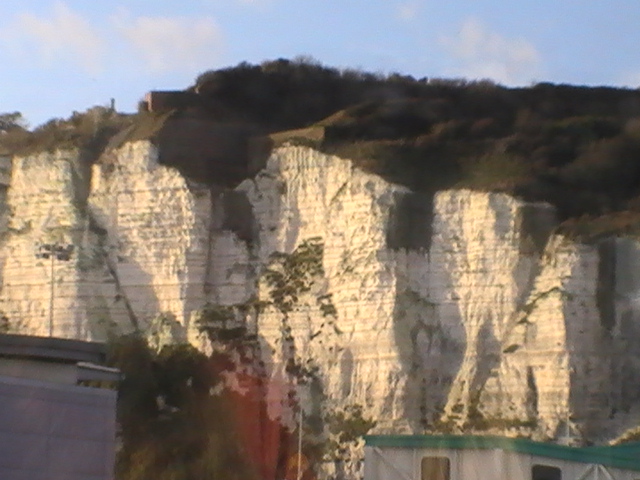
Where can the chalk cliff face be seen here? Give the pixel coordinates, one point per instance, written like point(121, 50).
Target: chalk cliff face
point(460, 312)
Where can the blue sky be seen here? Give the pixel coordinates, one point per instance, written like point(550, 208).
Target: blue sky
point(66, 55)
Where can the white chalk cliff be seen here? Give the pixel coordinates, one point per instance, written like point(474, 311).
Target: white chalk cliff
point(464, 311)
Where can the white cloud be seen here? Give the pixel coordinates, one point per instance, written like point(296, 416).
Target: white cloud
point(171, 43)
point(408, 11)
point(480, 53)
point(64, 35)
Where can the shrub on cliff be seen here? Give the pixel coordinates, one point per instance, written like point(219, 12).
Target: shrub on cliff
point(290, 94)
point(11, 121)
point(89, 131)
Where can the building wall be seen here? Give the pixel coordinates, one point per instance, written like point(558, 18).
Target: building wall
point(55, 432)
point(51, 372)
point(478, 464)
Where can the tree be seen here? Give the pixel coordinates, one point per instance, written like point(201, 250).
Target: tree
point(11, 121)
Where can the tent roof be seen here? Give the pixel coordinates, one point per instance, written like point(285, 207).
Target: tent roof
point(626, 456)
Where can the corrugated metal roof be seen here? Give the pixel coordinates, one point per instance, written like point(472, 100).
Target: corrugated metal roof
point(626, 456)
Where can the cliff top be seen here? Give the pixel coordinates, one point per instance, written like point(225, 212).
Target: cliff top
point(575, 147)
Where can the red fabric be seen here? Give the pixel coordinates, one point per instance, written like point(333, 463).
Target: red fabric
point(263, 439)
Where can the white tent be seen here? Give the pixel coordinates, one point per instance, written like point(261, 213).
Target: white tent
point(447, 457)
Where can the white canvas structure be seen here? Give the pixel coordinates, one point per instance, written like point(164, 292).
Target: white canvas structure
point(389, 457)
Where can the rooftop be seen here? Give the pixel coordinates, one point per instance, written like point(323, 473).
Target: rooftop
point(625, 456)
point(59, 350)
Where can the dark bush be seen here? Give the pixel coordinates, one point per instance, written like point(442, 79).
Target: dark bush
point(89, 131)
point(171, 427)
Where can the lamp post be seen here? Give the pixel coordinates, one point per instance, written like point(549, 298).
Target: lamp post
point(53, 251)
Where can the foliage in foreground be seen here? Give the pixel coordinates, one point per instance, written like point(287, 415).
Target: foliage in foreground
point(171, 426)
point(180, 420)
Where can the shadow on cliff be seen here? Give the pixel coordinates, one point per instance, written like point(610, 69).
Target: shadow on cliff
point(452, 353)
point(113, 304)
point(429, 358)
point(590, 341)
point(455, 346)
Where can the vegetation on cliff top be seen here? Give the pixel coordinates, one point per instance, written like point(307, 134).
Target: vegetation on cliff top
point(575, 147)
point(89, 131)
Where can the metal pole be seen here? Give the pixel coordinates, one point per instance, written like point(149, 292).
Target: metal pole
point(51, 296)
point(54, 251)
point(299, 476)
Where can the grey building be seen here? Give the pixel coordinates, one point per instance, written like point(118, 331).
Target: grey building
point(57, 410)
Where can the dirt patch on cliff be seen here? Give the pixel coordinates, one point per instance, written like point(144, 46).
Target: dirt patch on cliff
point(410, 222)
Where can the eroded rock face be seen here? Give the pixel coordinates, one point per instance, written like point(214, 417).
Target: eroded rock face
point(141, 237)
point(153, 228)
point(42, 207)
point(461, 312)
